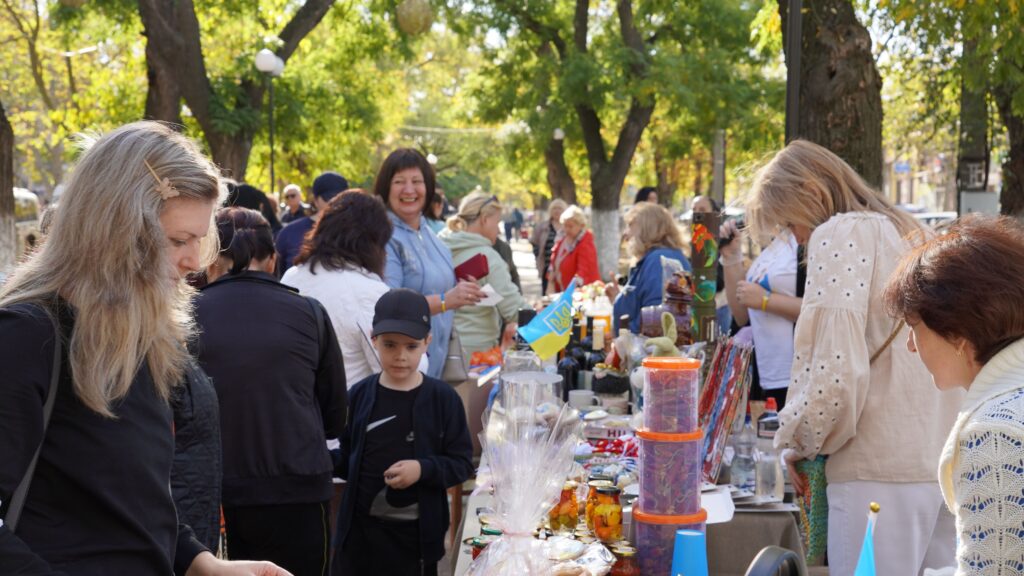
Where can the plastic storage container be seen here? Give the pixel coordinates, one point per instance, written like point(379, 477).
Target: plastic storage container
point(656, 536)
point(670, 472)
point(670, 394)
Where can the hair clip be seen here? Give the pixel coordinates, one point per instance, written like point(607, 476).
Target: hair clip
point(163, 186)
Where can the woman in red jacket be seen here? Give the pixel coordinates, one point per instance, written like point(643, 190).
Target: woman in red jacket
point(574, 255)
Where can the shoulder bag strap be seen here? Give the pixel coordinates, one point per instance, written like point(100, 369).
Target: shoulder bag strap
point(896, 330)
point(18, 499)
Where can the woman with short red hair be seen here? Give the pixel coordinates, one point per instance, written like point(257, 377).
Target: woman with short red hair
point(967, 325)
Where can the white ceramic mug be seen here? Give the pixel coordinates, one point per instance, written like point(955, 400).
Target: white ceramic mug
point(582, 399)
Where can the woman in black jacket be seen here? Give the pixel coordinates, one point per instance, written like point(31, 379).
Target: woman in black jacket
point(277, 368)
point(92, 333)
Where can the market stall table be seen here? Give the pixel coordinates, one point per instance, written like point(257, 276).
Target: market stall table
point(732, 545)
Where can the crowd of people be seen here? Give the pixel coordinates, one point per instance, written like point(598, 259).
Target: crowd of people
point(174, 331)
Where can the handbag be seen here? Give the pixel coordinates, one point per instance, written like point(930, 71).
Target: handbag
point(455, 370)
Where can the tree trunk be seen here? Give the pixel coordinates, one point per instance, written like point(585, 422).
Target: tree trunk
point(559, 178)
point(667, 173)
point(1011, 198)
point(8, 233)
point(840, 88)
point(174, 60)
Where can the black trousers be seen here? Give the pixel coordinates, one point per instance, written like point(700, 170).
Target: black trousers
point(296, 537)
point(381, 548)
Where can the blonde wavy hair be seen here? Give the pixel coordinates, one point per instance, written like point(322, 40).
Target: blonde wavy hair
point(653, 228)
point(474, 206)
point(575, 214)
point(106, 256)
point(806, 184)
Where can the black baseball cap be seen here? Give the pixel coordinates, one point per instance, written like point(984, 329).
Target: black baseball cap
point(328, 185)
point(402, 311)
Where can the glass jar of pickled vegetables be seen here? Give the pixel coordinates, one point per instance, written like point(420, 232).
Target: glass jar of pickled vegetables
point(564, 517)
point(626, 563)
point(593, 485)
point(607, 515)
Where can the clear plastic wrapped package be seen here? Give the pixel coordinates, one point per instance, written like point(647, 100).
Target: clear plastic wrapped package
point(529, 451)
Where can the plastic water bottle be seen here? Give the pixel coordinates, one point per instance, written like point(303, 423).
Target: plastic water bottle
point(743, 471)
point(769, 469)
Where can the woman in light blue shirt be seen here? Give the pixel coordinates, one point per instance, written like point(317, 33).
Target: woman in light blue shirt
point(416, 258)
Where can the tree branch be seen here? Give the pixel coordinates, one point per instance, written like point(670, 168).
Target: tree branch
point(548, 33)
point(631, 38)
point(581, 23)
point(301, 24)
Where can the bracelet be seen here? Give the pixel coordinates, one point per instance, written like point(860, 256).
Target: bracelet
point(443, 307)
point(764, 301)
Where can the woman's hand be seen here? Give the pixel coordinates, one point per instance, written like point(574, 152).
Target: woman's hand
point(733, 249)
point(465, 293)
point(790, 457)
point(207, 564)
point(611, 289)
point(750, 294)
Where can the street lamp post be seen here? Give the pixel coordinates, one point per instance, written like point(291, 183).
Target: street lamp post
point(270, 64)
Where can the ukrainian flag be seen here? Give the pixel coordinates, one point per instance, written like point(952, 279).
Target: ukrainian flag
point(866, 562)
point(548, 332)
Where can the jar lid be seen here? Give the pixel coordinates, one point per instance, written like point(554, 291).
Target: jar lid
point(626, 552)
point(489, 531)
point(697, 518)
point(671, 363)
point(570, 485)
point(599, 483)
point(598, 476)
point(666, 437)
point(614, 490)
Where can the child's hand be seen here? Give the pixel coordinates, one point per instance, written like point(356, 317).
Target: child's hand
point(402, 474)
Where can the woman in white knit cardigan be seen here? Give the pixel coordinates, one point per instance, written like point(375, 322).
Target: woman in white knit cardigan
point(963, 296)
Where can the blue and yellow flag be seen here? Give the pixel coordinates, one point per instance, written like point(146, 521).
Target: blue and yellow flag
point(548, 332)
point(866, 562)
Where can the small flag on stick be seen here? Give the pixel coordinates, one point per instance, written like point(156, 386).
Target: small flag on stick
point(866, 562)
point(549, 331)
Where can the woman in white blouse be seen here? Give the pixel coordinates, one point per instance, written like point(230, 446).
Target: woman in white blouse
point(341, 264)
point(961, 294)
point(869, 406)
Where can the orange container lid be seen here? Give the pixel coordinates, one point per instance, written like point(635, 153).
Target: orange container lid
point(671, 363)
point(697, 518)
point(665, 437)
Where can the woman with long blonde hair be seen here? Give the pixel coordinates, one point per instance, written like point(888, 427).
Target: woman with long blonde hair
point(867, 405)
point(100, 315)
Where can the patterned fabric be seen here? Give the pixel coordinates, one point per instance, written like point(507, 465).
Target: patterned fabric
point(881, 421)
point(982, 470)
point(814, 510)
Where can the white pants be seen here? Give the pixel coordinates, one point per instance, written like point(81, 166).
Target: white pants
point(914, 530)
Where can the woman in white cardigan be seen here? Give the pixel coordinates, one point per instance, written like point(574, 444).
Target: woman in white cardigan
point(341, 264)
point(963, 296)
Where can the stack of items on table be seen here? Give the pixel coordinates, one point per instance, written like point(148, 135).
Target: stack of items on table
point(671, 457)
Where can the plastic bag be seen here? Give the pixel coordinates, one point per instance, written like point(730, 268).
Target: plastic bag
point(529, 450)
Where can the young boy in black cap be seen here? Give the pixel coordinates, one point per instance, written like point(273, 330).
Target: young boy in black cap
point(406, 443)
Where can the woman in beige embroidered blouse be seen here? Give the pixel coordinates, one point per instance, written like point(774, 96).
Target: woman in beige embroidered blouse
point(880, 423)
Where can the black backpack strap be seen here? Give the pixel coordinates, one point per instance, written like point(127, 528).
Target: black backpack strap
point(801, 271)
point(20, 493)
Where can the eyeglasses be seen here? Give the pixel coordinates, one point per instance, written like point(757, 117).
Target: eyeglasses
point(484, 205)
point(291, 195)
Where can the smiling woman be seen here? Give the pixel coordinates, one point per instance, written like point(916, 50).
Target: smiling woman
point(416, 259)
point(103, 298)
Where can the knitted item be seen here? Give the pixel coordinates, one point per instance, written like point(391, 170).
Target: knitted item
point(814, 509)
point(989, 485)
